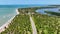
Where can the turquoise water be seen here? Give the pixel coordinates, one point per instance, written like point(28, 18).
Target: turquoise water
point(6, 14)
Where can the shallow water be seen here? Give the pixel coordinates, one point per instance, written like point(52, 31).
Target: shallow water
point(6, 14)
point(42, 11)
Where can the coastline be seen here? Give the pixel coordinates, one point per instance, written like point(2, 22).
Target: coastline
point(2, 28)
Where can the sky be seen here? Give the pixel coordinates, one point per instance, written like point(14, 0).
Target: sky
point(18, 2)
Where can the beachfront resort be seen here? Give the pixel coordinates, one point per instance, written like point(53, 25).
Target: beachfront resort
point(29, 21)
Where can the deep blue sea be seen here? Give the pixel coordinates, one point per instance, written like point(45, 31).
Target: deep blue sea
point(20, 6)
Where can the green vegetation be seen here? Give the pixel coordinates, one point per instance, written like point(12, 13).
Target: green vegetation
point(46, 24)
point(53, 13)
point(55, 5)
point(19, 25)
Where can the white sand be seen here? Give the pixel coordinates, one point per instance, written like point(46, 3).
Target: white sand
point(17, 11)
point(2, 28)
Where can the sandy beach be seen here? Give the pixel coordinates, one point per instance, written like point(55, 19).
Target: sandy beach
point(17, 11)
point(2, 28)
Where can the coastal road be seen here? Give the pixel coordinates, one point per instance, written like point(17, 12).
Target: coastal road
point(33, 26)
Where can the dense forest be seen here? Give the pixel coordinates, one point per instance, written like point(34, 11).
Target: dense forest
point(46, 24)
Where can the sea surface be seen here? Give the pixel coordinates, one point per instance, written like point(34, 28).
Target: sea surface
point(42, 11)
point(6, 14)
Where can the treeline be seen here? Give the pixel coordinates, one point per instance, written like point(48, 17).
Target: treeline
point(53, 13)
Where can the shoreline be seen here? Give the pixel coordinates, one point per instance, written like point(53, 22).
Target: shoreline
point(2, 28)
